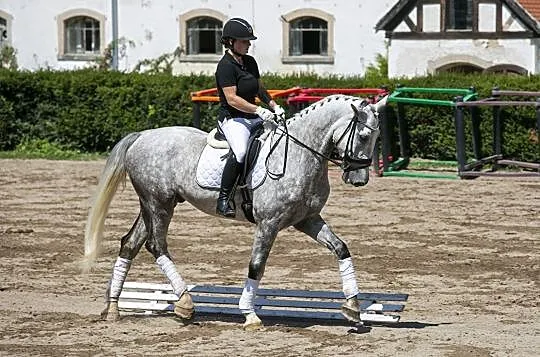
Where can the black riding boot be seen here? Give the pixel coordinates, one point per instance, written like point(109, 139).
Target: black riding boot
point(228, 180)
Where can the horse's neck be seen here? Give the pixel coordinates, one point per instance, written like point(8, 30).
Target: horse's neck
point(313, 125)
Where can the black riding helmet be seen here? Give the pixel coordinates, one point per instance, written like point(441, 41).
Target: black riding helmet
point(237, 29)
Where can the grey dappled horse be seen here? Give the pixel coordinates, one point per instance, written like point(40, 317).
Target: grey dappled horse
point(161, 164)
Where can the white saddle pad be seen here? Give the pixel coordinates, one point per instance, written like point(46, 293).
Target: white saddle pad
point(212, 162)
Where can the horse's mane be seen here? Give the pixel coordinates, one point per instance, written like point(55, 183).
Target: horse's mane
point(335, 99)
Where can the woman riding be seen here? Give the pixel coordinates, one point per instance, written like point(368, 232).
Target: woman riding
point(238, 83)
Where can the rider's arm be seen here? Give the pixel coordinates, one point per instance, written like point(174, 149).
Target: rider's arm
point(238, 102)
point(264, 96)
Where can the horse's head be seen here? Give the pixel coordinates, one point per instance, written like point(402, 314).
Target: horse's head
point(355, 138)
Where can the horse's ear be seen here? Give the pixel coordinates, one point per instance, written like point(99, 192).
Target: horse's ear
point(377, 107)
point(355, 109)
point(360, 114)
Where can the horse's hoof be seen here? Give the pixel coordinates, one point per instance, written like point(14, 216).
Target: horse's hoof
point(351, 310)
point(361, 328)
point(111, 313)
point(253, 323)
point(184, 308)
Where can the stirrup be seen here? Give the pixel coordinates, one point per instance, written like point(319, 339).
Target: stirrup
point(224, 209)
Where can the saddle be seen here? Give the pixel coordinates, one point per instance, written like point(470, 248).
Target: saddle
point(214, 155)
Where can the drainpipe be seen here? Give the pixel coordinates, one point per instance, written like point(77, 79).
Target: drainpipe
point(536, 43)
point(253, 22)
point(114, 35)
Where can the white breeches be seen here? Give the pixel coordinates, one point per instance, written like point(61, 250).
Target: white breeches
point(237, 132)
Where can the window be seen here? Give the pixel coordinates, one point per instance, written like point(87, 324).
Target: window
point(204, 36)
point(81, 35)
point(308, 37)
point(200, 35)
point(509, 69)
point(466, 68)
point(5, 28)
point(459, 14)
point(3, 31)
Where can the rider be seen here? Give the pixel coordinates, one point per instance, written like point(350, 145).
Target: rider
point(238, 83)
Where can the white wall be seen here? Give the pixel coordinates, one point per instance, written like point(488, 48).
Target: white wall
point(355, 42)
point(153, 26)
point(34, 30)
point(409, 58)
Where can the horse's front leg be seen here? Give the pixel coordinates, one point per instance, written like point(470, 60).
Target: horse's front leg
point(265, 235)
point(316, 228)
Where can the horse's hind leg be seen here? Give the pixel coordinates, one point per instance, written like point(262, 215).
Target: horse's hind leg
point(316, 228)
point(130, 246)
point(158, 220)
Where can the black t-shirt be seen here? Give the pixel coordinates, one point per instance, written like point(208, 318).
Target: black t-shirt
point(246, 79)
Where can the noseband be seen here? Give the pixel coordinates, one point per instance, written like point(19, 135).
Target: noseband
point(347, 162)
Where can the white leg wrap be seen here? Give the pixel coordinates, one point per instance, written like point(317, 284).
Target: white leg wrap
point(348, 278)
point(169, 269)
point(119, 274)
point(247, 300)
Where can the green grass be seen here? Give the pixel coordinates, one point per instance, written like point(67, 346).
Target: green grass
point(42, 149)
point(421, 164)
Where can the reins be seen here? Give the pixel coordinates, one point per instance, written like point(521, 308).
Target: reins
point(347, 163)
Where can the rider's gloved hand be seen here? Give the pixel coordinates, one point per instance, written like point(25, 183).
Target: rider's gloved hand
point(265, 114)
point(279, 112)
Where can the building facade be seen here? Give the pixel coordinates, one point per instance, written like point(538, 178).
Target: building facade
point(431, 36)
point(317, 36)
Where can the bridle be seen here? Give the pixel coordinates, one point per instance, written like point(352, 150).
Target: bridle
point(346, 163)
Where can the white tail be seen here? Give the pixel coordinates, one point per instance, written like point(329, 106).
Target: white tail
point(113, 173)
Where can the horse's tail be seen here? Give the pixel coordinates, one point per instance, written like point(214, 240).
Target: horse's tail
point(113, 173)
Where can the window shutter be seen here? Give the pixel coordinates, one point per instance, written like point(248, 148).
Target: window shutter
point(218, 33)
point(193, 41)
point(295, 41)
point(324, 42)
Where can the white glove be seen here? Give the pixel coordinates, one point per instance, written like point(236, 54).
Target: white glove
point(265, 114)
point(279, 111)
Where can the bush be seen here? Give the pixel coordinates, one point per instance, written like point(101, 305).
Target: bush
point(90, 110)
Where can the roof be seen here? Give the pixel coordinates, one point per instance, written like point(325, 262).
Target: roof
point(532, 7)
point(527, 11)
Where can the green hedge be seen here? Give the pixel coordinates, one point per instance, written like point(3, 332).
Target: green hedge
point(90, 110)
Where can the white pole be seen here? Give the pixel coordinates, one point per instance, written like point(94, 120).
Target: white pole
point(115, 35)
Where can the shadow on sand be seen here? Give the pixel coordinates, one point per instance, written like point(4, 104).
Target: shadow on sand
point(290, 322)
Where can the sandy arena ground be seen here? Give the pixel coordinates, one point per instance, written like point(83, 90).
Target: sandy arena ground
point(467, 252)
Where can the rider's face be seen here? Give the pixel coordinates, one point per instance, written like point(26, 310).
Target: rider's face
point(242, 46)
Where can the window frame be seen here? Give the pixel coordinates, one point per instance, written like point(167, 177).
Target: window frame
point(183, 20)
point(9, 20)
point(291, 17)
point(295, 28)
point(61, 22)
point(449, 19)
